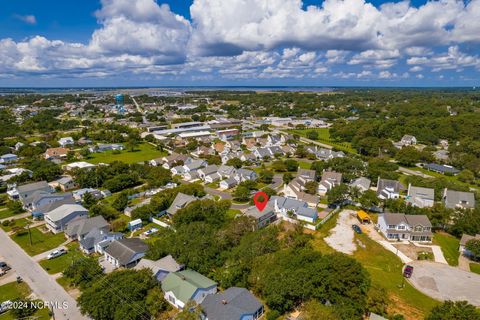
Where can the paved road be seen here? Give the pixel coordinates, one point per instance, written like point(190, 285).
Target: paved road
point(414, 173)
point(277, 181)
point(444, 282)
point(41, 283)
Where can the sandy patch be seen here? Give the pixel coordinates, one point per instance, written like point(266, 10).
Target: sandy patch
point(341, 237)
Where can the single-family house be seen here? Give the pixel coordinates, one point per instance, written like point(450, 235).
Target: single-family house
point(178, 170)
point(78, 229)
point(228, 183)
point(194, 165)
point(264, 217)
point(126, 252)
point(175, 159)
point(292, 208)
point(408, 140)
point(458, 199)
point(180, 202)
point(78, 165)
point(232, 304)
point(362, 184)
point(442, 168)
point(102, 147)
point(25, 191)
point(54, 202)
point(398, 226)
point(182, 286)
point(161, 267)
point(226, 171)
point(208, 170)
point(58, 219)
point(65, 183)
point(56, 153)
point(40, 200)
point(388, 189)
point(420, 197)
point(135, 224)
point(463, 242)
point(329, 180)
point(245, 174)
point(18, 146)
point(66, 141)
point(97, 240)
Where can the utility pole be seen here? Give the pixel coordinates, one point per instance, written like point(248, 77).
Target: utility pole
point(30, 234)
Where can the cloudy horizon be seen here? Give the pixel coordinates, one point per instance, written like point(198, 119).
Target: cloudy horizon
point(240, 42)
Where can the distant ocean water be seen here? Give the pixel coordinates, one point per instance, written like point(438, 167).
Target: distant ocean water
point(173, 90)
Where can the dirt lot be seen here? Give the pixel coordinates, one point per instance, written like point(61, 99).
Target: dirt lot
point(341, 237)
point(412, 251)
point(443, 282)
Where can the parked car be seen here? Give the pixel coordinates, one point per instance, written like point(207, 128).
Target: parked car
point(150, 231)
point(357, 229)
point(4, 266)
point(56, 253)
point(407, 272)
point(5, 306)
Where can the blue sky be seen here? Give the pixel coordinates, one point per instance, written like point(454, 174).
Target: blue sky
point(239, 42)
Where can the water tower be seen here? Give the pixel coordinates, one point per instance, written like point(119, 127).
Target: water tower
point(119, 103)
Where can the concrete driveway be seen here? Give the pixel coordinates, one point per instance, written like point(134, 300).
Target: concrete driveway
point(443, 282)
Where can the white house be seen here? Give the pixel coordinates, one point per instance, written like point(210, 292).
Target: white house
point(65, 142)
point(398, 226)
point(329, 180)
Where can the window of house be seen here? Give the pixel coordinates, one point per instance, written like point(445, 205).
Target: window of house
point(419, 228)
point(401, 227)
point(391, 226)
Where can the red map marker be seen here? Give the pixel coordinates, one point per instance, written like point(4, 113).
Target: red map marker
point(260, 204)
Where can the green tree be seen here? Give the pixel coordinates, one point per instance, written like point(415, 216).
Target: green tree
point(266, 176)
point(209, 211)
point(466, 176)
point(89, 200)
point(120, 202)
point(242, 193)
point(15, 206)
point(473, 246)
point(449, 310)
point(287, 177)
point(369, 199)
point(82, 271)
point(291, 165)
point(155, 302)
point(312, 135)
point(311, 187)
point(120, 295)
point(235, 162)
point(314, 310)
point(25, 310)
point(408, 156)
point(103, 210)
point(338, 193)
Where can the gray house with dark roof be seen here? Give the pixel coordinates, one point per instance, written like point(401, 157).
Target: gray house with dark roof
point(125, 252)
point(232, 304)
point(181, 201)
point(420, 197)
point(389, 189)
point(76, 230)
point(458, 199)
point(161, 267)
point(264, 217)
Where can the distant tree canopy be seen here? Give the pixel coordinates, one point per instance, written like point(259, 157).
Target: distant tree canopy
point(460, 310)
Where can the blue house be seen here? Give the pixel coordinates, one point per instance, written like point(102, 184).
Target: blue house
point(8, 158)
point(135, 224)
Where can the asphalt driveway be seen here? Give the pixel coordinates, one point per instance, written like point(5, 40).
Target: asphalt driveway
point(444, 282)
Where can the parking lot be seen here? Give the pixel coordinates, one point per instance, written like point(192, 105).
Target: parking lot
point(443, 282)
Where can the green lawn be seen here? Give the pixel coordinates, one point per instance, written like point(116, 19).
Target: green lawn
point(6, 213)
point(144, 152)
point(385, 270)
point(449, 245)
point(41, 242)
point(475, 267)
point(61, 263)
point(65, 283)
point(231, 213)
point(17, 223)
point(324, 137)
point(14, 290)
point(304, 165)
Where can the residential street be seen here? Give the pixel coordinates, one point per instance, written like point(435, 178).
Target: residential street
point(42, 284)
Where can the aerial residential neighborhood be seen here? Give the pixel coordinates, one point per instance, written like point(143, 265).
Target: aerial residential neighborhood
point(240, 160)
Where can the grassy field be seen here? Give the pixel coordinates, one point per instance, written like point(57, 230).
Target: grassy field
point(304, 165)
point(41, 242)
point(324, 137)
point(144, 152)
point(14, 290)
point(449, 245)
point(385, 270)
point(61, 263)
point(231, 213)
point(6, 213)
point(453, 179)
point(18, 223)
point(475, 267)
